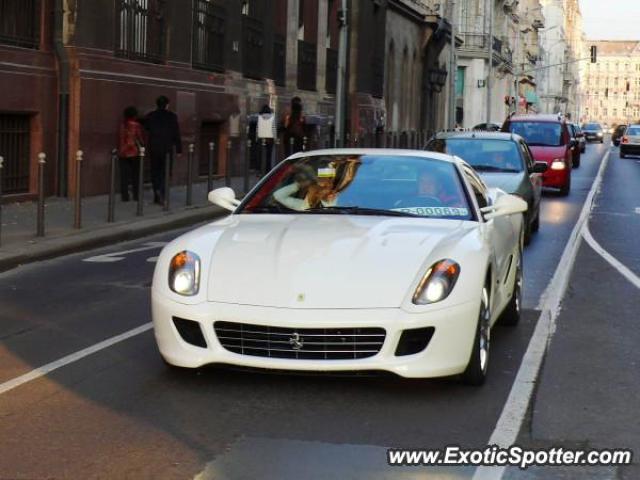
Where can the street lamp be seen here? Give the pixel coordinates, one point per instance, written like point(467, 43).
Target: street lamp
point(437, 78)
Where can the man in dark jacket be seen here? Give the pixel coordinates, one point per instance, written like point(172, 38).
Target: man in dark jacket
point(163, 135)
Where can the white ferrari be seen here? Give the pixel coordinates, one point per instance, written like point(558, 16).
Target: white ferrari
point(347, 260)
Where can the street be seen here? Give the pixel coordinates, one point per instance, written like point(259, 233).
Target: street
point(119, 412)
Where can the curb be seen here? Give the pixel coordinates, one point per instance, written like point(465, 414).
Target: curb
point(109, 234)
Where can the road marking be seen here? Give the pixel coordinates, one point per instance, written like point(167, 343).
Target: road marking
point(515, 408)
point(152, 259)
point(118, 256)
point(613, 261)
point(74, 357)
point(638, 209)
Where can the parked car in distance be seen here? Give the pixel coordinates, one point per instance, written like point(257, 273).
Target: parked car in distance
point(503, 160)
point(582, 142)
point(549, 140)
point(617, 134)
point(593, 132)
point(575, 150)
point(630, 142)
point(488, 127)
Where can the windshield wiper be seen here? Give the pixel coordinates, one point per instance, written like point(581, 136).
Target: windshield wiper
point(269, 209)
point(489, 168)
point(355, 210)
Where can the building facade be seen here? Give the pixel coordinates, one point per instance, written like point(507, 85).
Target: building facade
point(612, 84)
point(514, 50)
point(72, 66)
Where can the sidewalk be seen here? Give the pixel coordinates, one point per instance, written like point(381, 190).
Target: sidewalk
point(19, 244)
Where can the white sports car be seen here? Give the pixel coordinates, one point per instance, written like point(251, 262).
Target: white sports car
point(347, 259)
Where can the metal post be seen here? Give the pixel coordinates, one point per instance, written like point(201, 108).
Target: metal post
point(263, 156)
point(212, 147)
point(77, 221)
point(227, 165)
point(42, 159)
point(247, 160)
point(489, 10)
point(291, 145)
point(167, 184)
point(277, 151)
point(1, 162)
point(190, 174)
point(341, 84)
point(112, 187)
point(347, 143)
point(304, 144)
point(452, 68)
point(140, 206)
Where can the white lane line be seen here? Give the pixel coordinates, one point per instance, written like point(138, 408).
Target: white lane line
point(515, 408)
point(613, 261)
point(74, 357)
point(117, 256)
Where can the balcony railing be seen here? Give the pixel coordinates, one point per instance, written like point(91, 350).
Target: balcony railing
point(141, 30)
point(332, 70)
point(307, 60)
point(20, 23)
point(253, 47)
point(208, 36)
point(474, 41)
point(279, 60)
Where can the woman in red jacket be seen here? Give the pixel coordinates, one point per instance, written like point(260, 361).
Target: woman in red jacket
point(131, 139)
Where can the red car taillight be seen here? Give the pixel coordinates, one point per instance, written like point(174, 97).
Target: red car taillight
point(625, 139)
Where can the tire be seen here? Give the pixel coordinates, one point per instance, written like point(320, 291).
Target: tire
point(601, 141)
point(528, 229)
point(535, 225)
point(564, 191)
point(511, 314)
point(576, 163)
point(476, 372)
point(622, 154)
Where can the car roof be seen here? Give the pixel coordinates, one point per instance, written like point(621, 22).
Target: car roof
point(381, 151)
point(475, 134)
point(538, 118)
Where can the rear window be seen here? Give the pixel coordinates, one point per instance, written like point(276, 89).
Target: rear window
point(538, 134)
point(633, 131)
point(483, 154)
point(592, 126)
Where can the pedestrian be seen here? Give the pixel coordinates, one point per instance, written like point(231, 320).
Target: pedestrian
point(164, 135)
point(294, 127)
point(130, 141)
point(266, 132)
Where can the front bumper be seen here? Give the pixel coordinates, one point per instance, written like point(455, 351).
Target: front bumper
point(630, 148)
point(447, 353)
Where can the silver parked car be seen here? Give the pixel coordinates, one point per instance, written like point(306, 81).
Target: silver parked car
point(630, 142)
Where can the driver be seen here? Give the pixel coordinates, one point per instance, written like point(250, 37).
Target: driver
point(431, 186)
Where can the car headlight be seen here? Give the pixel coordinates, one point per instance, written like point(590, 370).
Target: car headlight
point(437, 283)
point(184, 273)
point(558, 164)
point(599, 134)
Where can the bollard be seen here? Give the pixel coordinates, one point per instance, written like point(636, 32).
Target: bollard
point(77, 218)
point(247, 160)
point(42, 159)
point(140, 206)
point(1, 164)
point(291, 145)
point(304, 144)
point(263, 156)
point(167, 166)
point(227, 165)
point(190, 174)
point(112, 187)
point(212, 147)
point(347, 142)
point(277, 151)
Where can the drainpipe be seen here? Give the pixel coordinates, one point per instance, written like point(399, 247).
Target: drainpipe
point(63, 98)
point(341, 87)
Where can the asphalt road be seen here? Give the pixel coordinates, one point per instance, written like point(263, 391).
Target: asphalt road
point(120, 413)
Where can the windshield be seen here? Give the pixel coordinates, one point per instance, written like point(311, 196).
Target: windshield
point(486, 155)
point(545, 134)
point(633, 131)
point(362, 185)
point(592, 126)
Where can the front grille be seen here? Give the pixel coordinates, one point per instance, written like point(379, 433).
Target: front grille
point(300, 343)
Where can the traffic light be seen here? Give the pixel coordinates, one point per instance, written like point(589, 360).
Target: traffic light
point(594, 54)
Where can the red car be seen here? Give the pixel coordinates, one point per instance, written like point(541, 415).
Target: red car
point(551, 142)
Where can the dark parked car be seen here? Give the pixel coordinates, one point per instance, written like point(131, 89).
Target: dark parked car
point(504, 161)
point(617, 134)
point(488, 127)
point(576, 150)
point(593, 132)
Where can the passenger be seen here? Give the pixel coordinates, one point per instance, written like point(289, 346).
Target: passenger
point(308, 189)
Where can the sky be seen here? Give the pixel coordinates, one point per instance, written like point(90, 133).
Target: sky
point(611, 19)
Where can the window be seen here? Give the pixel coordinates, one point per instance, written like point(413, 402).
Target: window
point(141, 30)
point(20, 23)
point(14, 145)
point(307, 44)
point(615, 112)
point(252, 41)
point(208, 36)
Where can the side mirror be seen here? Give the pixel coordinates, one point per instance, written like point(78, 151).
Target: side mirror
point(224, 197)
point(505, 205)
point(540, 167)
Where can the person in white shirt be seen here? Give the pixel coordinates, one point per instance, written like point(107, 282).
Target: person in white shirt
point(309, 190)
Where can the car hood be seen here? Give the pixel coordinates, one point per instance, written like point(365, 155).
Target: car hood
point(509, 182)
point(325, 261)
point(547, 154)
